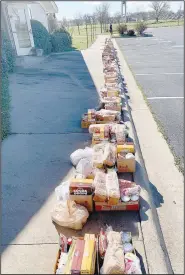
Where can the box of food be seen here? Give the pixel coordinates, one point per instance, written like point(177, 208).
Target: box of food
point(130, 148)
point(88, 119)
point(85, 124)
point(81, 186)
point(89, 257)
point(85, 200)
point(96, 139)
point(112, 93)
point(77, 257)
point(67, 269)
point(96, 267)
point(126, 165)
point(121, 206)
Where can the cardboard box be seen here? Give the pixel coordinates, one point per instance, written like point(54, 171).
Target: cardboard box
point(89, 237)
point(112, 93)
point(67, 269)
point(121, 206)
point(81, 187)
point(130, 148)
point(97, 270)
point(126, 165)
point(85, 200)
point(96, 139)
point(85, 124)
point(89, 257)
point(77, 257)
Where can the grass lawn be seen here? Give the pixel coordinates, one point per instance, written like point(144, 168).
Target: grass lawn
point(80, 40)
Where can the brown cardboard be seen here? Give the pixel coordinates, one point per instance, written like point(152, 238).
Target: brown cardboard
point(81, 187)
point(85, 200)
point(85, 124)
point(126, 165)
point(126, 148)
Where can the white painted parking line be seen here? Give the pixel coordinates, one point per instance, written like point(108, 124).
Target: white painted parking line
point(166, 97)
point(161, 73)
point(178, 46)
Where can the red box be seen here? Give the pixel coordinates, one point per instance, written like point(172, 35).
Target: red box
point(121, 206)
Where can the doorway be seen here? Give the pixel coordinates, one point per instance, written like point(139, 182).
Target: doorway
point(21, 28)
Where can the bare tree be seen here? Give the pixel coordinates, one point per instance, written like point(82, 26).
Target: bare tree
point(78, 21)
point(94, 24)
point(117, 17)
point(66, 24)
point(102, 13)
point(52, 23)
point(99, 15)
point(159, 7)
point(179, 13)
point(86, 21)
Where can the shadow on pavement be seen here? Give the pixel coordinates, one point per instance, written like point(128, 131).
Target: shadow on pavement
point(141, 262)
point(48, 99)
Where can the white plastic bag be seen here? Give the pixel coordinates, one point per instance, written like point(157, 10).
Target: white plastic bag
point(112, 186)
point(62, 191)
point(132, 264)
point(129, 156)
point(88, 151)
point(114, 261)
point(84, 167)
point(77, 155)
point(69, 214)
point(100, 193)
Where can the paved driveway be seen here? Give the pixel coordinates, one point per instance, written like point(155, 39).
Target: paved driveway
point(157, 63)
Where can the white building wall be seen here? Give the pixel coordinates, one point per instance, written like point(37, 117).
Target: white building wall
point(38, 13)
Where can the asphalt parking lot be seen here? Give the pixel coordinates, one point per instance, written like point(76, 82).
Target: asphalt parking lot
point(157, 64)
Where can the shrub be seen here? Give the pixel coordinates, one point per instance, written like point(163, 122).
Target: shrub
point(141, 27)
point(131, 32)
point(122, 28)
point(41, 36)
point(61, 40)
point(7, 64)
point(8, 51)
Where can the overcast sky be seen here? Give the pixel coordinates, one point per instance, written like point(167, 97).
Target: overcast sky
point(68, 9)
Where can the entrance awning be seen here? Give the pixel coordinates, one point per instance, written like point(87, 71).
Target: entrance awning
point(49, 6)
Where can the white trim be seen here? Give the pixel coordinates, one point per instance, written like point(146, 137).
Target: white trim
point(166, 97)
point(161, 74)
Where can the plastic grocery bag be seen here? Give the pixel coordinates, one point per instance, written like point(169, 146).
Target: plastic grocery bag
point(77, 155)
point(100, 193)
point(84, 167)
point(62, 191)
point(69, 214)
point(114, 261)
point(109, 156)
point(97, 158)
point(112, 185)
point(120, 133)
point(132, 264)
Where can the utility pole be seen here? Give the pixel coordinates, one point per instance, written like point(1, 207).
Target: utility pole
point(123, 2)
point(125, 12)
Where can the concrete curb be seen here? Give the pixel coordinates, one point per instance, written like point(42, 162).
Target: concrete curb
point(155, 248)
